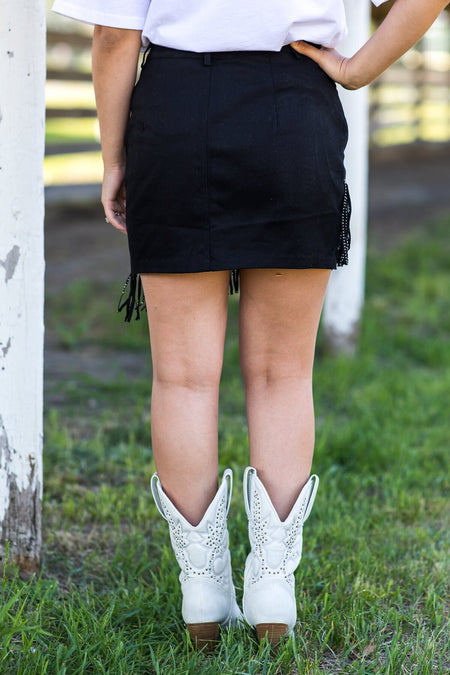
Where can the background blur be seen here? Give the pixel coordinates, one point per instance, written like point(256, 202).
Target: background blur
point(373, 584)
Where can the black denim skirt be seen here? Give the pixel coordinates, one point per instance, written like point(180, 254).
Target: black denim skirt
point(235, 160)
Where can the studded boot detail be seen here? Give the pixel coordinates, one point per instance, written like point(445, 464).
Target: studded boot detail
point(202, 552)
point(276, 547)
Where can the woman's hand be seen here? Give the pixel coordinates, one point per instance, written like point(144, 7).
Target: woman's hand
point(406, 22)
point(113, 197)
point(334, 64)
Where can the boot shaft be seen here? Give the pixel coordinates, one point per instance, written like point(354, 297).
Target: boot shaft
point(276, 544)
point(201, 550)
point(276, 549)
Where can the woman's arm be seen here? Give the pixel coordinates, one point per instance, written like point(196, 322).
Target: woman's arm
point(115, 53)
point(404, 25)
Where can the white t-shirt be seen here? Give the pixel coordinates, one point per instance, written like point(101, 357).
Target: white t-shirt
point(218, 25)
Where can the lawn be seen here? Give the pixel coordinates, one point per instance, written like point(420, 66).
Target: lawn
point(373, 581)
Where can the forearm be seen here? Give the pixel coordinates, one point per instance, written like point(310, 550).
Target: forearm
point(404, 25)
point(115, 54)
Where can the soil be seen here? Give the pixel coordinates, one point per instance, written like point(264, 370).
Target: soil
point(407, 188)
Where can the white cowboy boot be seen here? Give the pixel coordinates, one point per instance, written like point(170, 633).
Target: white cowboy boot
point(202, 552)
point(276, 548)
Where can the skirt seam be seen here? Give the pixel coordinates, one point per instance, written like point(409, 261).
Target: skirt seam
point(207, 164)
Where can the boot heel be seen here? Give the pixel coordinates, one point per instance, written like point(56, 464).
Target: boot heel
point(204, 635)
point(272, 631)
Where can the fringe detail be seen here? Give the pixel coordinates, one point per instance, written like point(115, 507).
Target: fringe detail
point(344, 236)
point(234, 282)
point(135, 300)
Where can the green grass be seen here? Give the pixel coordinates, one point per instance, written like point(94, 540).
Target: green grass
point(71, 130)
point(374, 576)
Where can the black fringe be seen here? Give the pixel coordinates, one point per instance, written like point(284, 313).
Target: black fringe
point(135, 300)
point(234, 282)
point(344, 236)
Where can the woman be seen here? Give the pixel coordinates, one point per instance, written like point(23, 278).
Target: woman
point(233, 161)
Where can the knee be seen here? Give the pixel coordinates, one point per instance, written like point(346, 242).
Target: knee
point(268, 371)
point(188, 374)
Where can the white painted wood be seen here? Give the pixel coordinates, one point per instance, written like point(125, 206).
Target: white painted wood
point(22, 122)
point(345, 295)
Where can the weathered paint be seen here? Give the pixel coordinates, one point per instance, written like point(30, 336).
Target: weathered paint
point(10, 262)
point(22, 120)
point(6, 348)
point(20, 526)
point(345, 295)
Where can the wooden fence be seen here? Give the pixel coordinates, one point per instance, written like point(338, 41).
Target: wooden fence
point(409, 103)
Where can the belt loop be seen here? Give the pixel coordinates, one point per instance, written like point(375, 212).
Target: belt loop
point(207, 59)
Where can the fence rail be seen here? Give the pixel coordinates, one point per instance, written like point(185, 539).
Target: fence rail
point(410, 102)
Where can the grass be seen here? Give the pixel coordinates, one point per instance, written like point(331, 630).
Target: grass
point(373, 580)
point(71, 130)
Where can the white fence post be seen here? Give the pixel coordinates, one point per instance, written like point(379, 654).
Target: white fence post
point(345, 295)
point(22, 125)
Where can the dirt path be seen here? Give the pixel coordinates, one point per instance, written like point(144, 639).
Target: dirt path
point(406, 189)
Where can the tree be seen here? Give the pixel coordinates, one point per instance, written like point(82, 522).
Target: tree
point(22, 126)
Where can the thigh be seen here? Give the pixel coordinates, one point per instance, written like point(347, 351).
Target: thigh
point(187, 316)
point(278, 317)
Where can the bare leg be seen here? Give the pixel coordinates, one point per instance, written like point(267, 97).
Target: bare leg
point(279, 316)
point(187, 319)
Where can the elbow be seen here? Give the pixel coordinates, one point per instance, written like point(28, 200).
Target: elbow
point(354, 86)
point(353, 78)
point(110, 39)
